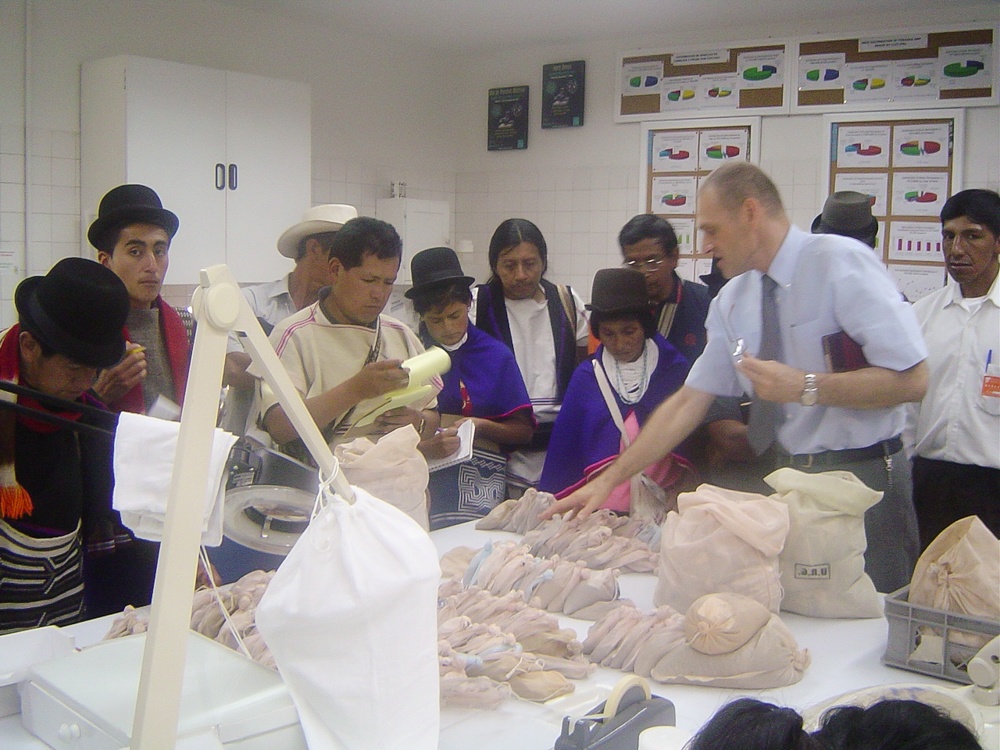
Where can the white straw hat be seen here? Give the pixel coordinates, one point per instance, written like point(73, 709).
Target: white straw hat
point(327, 217)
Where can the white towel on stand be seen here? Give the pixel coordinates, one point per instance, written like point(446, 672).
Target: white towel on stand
point(145, 448)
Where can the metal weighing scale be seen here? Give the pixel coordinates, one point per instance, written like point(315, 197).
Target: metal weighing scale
point(87, 700)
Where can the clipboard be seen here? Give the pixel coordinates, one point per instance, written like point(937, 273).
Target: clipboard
point(423, 367)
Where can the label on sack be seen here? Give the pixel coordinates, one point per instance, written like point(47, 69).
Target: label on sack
point(812, 572)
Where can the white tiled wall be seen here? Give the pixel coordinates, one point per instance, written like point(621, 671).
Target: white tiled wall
point(579, 212)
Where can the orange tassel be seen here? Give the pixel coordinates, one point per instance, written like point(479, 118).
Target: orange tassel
point(15, 502)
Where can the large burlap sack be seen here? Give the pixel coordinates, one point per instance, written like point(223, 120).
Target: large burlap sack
point(393, 470)
point(721, 540)
point(823, 561)
point(733, 642)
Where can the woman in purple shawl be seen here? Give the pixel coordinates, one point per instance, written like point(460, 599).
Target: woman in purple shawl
point(638, 365)
point(484, 386)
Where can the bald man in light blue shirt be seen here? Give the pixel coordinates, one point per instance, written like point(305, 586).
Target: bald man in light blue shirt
point(849, 420)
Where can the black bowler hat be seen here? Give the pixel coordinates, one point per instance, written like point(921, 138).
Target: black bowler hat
point(618, 290)
point(435, 267)
point(129, 204)
point(849, 214)
point(78, 309)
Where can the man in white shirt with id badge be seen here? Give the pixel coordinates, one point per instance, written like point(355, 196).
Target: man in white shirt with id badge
point(956, 428)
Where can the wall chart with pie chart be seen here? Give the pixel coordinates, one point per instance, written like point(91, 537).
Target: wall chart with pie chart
point(930, 68)
point(676, 157)
point(905, 162)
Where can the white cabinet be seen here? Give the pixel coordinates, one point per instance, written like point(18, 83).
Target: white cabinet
point(229, 153)
point(421, 224)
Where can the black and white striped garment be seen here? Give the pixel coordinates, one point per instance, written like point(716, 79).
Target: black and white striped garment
point(42, 581)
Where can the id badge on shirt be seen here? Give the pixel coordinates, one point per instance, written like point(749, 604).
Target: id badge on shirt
point(991, 386)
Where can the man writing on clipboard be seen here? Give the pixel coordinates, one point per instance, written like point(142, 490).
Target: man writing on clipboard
point(341, 353)
point(789, 290)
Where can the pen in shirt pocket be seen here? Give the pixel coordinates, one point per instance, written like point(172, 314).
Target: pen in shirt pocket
point(989, 359)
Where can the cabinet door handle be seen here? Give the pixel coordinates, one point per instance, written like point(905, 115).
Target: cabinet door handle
point(220, 176)
point(232, 177)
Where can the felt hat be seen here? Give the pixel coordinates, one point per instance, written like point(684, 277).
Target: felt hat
point(328, 217)
point(435, 267)
point(130, 204)
point(847, 213)
point(78, 309)
point(714, 279)
point(618, 290)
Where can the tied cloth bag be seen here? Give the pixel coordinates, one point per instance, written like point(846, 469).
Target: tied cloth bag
point(721, 540)
point(391, 469)
point(650, 494)
point(960, 572)
point(733, 642)
point(350, 617)
point(823, 562)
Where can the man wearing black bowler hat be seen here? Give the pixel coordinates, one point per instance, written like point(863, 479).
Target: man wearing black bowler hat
point(132, 234)
point(56, 479)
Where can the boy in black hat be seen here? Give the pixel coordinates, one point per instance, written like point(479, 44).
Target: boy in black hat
point(55, 479)
point(132, 234)
point(483, 385)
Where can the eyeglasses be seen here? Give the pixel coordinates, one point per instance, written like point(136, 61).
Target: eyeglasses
point(650, 264)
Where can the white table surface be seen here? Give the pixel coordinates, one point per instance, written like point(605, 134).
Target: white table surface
point(846, 656)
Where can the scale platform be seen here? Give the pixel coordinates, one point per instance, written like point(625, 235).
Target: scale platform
point(86, 700)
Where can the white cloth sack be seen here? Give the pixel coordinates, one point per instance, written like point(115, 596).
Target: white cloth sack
point(145, 448)
point(392, 470)
point(351, 620)
point(733, 642)
point(721, 540)
point(823, 561)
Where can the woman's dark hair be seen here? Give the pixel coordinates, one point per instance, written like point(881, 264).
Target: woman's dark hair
point(893, 725)
point(442, 296)
point(978, 205)
point(749, 724)
point(512, 233)
point(644, 318)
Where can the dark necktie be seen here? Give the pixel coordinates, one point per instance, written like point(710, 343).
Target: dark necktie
point(765, 416)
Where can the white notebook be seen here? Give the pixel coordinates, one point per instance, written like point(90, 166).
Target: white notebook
point(466, 434)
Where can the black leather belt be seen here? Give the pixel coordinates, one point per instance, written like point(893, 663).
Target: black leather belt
point(846, 456)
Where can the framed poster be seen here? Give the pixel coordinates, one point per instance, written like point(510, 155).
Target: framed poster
point(563, 94)
point(675, 158)
point(908, 163)
point(507, 120)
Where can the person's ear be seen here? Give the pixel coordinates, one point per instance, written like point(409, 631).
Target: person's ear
point(30, 349)
point(104, 258)
point(336, 269)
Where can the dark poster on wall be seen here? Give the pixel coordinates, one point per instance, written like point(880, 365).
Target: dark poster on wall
point(562, 94)
point(508, 118)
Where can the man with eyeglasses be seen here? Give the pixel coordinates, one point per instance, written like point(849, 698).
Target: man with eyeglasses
point(679, 307)
point(956, 466)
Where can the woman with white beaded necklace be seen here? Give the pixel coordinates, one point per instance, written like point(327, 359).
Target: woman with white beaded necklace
point(633, 371)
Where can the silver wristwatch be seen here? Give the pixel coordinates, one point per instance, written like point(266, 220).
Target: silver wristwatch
point(810, 393)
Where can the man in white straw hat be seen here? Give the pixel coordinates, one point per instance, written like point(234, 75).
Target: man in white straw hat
point(308, 244)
